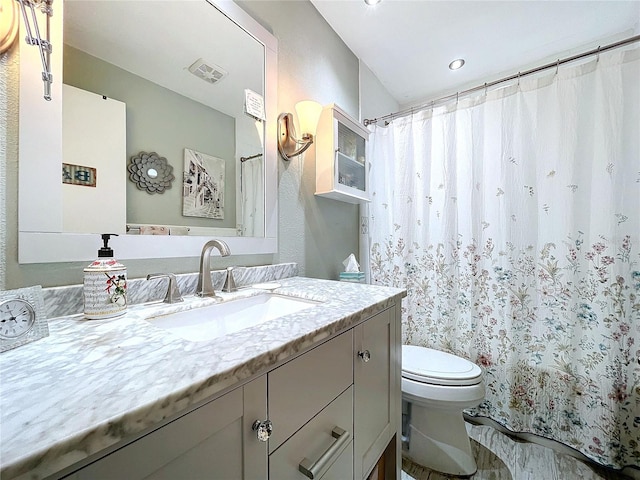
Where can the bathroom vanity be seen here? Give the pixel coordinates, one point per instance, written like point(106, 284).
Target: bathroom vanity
point(313, 394)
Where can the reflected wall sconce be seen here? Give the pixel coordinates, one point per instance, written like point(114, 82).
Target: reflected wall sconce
point(9, 19)
point(34, 37)
point(308, 115)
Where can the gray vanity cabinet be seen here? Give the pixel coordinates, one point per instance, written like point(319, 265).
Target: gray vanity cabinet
point(335, 411)
point(200, 444)
point(360, 369)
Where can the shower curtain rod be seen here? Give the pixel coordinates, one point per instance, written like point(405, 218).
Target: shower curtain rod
point(244, 159)
point(519, 75)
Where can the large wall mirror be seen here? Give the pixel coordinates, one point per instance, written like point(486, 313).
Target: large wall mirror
point(161, 103)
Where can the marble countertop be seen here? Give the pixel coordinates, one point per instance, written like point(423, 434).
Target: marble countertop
point(92, 383)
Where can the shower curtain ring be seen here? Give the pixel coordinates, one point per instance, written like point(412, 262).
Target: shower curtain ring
point(485, 89)
point(557, 66)
point(598, 54)
point(518, 81)
point(457, 94)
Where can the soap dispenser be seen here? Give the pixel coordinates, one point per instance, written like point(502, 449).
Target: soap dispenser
point(105, 284)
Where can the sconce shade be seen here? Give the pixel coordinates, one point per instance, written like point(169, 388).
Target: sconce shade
point(9, 22)
point(308, 115)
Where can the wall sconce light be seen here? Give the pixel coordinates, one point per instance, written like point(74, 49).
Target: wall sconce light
point(308, 115)
point(9, 19)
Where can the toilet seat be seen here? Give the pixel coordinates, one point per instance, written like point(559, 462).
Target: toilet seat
point(434, 367)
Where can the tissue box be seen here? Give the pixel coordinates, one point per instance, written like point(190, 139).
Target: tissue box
point(355, 277)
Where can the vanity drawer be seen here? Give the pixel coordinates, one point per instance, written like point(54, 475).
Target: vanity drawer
point(326, 441)
point(299, 389)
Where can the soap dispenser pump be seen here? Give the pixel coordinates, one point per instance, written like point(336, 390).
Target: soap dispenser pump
point(105, 284)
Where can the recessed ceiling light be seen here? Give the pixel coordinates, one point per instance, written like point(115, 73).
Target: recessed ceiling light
point(372, 2)
point(456, 64)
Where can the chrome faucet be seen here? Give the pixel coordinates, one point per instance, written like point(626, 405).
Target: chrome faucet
point(205, 287)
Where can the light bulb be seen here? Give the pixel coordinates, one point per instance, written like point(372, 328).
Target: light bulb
point(308, 115)
point(456, 64)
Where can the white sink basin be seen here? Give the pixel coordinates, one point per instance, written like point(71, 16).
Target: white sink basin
point(213, 321)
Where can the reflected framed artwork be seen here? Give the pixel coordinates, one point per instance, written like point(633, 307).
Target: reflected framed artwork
point(203, 185)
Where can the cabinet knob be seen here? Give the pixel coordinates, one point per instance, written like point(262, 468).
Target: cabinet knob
point(263, 429)
point(365, 355)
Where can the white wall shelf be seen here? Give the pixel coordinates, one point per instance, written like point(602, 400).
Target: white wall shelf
point(341, 163)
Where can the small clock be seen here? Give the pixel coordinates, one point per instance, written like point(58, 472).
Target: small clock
point(17, 317)
point(21, 317)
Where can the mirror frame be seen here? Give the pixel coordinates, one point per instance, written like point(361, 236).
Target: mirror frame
point(40, 236)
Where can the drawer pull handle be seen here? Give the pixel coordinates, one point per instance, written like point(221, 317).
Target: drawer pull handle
point(365, 355)
point(313, 470)
point(263, 429)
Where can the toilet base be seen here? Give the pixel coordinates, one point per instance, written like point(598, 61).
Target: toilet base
point(439, 441)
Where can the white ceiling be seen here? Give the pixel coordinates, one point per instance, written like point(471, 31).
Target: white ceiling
point(159, 40)
point(408, 44)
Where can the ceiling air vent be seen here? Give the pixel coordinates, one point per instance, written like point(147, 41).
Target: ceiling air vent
point(209, 72)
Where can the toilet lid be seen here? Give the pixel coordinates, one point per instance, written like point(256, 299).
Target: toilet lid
point(440, 368)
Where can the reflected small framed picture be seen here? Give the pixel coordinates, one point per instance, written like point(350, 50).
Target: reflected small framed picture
point(79, 175)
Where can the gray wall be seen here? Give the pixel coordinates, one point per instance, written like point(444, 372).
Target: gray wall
point(316, 233)
point(375, 100)
point(8, 150)
point(313, 63)
point(161, 121)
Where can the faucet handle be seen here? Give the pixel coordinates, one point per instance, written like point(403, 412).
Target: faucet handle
point(229, 282)
point(173, 292)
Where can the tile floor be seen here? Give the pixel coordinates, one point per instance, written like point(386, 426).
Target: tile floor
point(501, 457)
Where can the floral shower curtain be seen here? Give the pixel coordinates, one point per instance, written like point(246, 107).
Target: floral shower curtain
point(513, 220)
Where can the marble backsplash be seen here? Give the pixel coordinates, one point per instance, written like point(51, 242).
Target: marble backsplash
point(68, 299)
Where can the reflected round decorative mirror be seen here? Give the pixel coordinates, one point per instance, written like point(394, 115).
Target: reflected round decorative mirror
point(150, 172)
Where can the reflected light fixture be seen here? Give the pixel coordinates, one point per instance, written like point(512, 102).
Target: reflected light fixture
point(9, 20)
point(372, 2)
point(456, 64)
point(33, 36)
point(308, 113)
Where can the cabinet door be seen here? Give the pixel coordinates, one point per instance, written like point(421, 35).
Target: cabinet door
point(376, 401)
point(214, 441)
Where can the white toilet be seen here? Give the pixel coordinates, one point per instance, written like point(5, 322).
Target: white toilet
point(436, 387)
